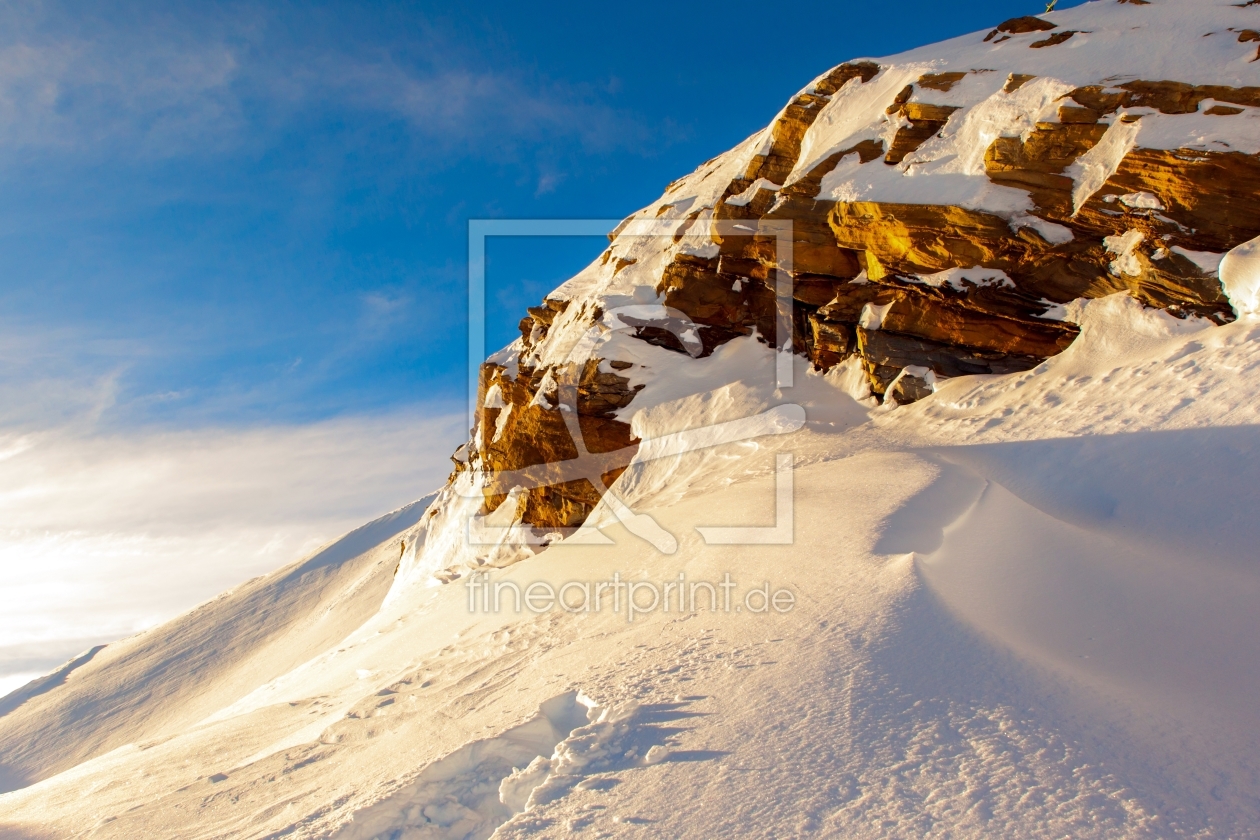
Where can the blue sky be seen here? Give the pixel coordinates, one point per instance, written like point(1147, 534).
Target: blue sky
point(232, 252)
point(239, 213)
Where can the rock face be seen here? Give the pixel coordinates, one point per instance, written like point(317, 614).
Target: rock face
point(522, 426)
point(941, 209)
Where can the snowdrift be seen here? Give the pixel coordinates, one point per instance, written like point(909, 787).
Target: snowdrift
point(1004, 578)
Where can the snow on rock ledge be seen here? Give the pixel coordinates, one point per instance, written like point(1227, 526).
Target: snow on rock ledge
point(1106, 149)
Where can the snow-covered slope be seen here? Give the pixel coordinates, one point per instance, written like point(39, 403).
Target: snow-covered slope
point(1004, 601)
point(997, 632)
point(162, 681)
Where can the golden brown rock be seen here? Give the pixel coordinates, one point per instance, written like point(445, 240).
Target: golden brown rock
point(831, 342)
point(806, 188)
point(940, 81)
point(842, 75)
point(530, 433)
point(694, 286)
point(1208, 198)
point(921, 238)
point(909, 387)
point(1016, 81)
point(1074, 114)
point(924, 121)
point(849, 256)
point(1020, 25)
point(885, 354)
point(1053, 41)
point(948, 322)
point(903, 240)
point(535, 326)
point(1167, 97)
point(1037, 164)
point(790, 126)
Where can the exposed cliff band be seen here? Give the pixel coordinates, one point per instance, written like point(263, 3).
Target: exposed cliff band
point(942, 210)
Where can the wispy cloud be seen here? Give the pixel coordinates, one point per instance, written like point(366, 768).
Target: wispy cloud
point(79, 375)
point(192, 82)
point(384, 308)
point(460, 102)
point(58, 377)
point(68, 89)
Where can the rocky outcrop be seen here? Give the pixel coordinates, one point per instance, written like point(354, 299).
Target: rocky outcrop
point(522, 431)
point(915, 291)
point(922, 122)
point(1019, 26)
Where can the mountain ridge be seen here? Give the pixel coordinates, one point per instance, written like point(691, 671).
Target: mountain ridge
point(1021, 598)
point(944, 206)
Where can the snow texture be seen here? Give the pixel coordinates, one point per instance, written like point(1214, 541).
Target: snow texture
point(1240, 277)
point(1024, 606)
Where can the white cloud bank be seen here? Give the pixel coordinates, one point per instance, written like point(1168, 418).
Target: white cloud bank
point(104, 535)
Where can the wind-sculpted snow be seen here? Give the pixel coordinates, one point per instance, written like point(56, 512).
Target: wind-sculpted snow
point(47, 683)
point(1023, 609)
point(470, 793)
point(166, 679)
point(1022, 422)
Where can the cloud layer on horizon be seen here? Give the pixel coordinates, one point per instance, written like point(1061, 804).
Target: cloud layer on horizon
point(105, 535)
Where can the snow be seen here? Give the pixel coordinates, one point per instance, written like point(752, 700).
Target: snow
point(960, 278)
point(1022, 607)
point(1208, 262)
point(747, 195)
point(1053, 575)
point(852, 180)
point(850, 379)
point(873, 315)
point(474, 790)
point(1093, 168)
point(494, 398)
point(547, 394)
point(1124, 246)
point(1049, 231)
point(1186, 40)
point(13, 682)
point(1240, 277)
point(961, 145)
point(199, 663)
point(1235, 133)
point(952, 162)
point(1141, 201)
point(932, 676)
point(1196, 44)
point(855, 113)
point(500, 423)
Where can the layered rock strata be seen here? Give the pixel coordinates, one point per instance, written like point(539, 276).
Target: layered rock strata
point(941, 211)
